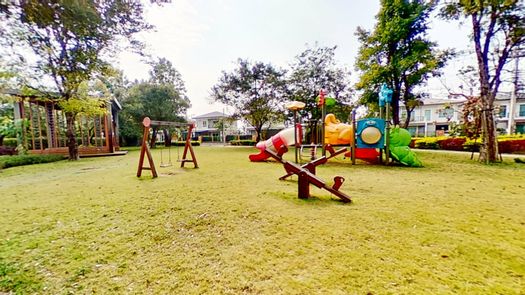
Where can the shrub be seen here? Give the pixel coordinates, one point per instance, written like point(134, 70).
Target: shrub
point(452, 143)
point(11, 142)
point(472, 145)
point(237, 137)
point(427, 143)
point(20, 160)
point(7, 150)
point(510, 146)
point(244, 142)
point(183, 143)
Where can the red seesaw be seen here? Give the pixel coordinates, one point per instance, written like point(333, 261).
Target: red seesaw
point(306, 174)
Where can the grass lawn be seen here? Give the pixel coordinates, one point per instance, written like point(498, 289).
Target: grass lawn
point(454, 226)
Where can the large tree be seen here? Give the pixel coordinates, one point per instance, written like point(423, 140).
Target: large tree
point(256, 91)
point(314, 69)
point(71, 39)
point(398, 53)
point(498, 28)
point(163, 97)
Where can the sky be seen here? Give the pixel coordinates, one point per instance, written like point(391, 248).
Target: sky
point(202, 38)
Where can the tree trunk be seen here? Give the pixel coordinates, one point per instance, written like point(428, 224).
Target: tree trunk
point(258, 131)
point(489, 146)
point(407, 119)
point(1, 140)
point(153, 138)
point(395, 107)
point(167, 138)
point(71, 139)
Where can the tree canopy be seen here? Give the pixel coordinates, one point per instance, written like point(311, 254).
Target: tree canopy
point(315, 69)
point(498, 28)
point(162, 97)
point(256, 91)
point(71, 39)
point(397, 52)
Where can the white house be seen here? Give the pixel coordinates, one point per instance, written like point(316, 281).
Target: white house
point(215, 125)
point(435, 116)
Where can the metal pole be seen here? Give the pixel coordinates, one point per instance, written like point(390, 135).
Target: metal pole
point(387, 133)
point(353, 139)
point(323, 115)
point(295, 135)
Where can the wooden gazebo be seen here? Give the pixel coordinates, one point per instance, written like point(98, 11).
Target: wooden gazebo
point(46, 130)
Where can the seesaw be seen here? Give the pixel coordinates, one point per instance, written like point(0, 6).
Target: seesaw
point(306, 174)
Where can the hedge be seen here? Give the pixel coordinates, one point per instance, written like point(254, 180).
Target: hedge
point(11, 142)
point(20, 160)
point(244, 142)
point(183, 143)
point(506, 144)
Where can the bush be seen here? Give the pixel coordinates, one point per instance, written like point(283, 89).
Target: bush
point(510, 146)
point(183, 143)
point(244, 142)
point(20, 160)
point(7, 150)
point(427, 143)
point(472, 145)
point(237, 137)
point(452, 143)
point(206, 138)
point(11, 142)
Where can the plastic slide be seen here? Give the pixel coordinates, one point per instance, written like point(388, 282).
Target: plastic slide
point(285, 137)
point(399, 141)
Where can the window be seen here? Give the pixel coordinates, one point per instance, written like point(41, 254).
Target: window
point(520, 128)
point(502, 111)
point(403, 114)
point(203, 123)
point(522, 110)
point(446, 113)
point(428, 115)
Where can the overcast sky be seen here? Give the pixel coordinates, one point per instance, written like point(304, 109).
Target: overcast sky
point(202, 38)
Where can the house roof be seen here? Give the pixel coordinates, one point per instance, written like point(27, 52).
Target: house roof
point(211, 115)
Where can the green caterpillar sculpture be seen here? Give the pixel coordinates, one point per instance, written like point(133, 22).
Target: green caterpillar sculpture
point(399, 141)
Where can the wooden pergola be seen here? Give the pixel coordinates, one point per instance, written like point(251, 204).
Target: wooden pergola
point(46, 130)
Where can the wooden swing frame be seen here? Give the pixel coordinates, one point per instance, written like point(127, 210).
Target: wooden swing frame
point(145, 151)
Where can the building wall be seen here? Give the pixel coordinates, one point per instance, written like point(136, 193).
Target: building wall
point(436, 118)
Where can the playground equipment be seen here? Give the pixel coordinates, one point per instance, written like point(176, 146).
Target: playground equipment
point(285, 137)
point(399, 140)
point(306, 174)
point(145, 150)
point(368, 138)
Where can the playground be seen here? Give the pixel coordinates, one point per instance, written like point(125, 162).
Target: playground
point(454, 226)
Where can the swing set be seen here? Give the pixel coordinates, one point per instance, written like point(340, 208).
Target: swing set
point(145, 149)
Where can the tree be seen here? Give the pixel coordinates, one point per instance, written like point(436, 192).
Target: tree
point(256, 91)
point(70, 38)
point(498, 28)
point(7, 122)
point(315, 69)
point(398, 53)
point(159, 102)
point(163, 72)
point(163, 97)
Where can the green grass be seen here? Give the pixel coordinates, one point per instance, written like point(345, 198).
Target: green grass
point(230, 227)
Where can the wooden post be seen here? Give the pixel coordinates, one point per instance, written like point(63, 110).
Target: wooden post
point(304, 185)
point(145, 151)
point(188, 147)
